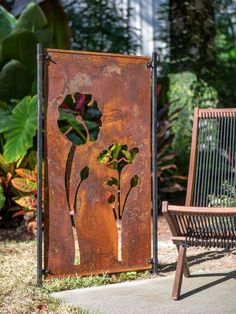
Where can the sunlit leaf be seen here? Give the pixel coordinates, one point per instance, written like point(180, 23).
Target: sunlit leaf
point(32, 18)
point(26, 174)
point(24, 185)
point(29, 202)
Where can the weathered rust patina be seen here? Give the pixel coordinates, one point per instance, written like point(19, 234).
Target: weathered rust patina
point(121, 87)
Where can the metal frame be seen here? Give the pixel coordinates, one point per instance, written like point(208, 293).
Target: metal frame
point(154, 164)
point(40, 57)
point(40, 67)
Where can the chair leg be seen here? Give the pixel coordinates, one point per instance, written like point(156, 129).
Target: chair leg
point(179, 273)
point(186, 267)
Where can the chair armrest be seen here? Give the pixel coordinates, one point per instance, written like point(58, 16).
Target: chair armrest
point(225, 211)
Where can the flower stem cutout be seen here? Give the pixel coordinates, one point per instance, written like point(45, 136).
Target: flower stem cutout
point(80, 121)
point(117, 157)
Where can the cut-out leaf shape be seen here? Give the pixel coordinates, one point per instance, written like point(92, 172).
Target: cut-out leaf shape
point(111, 199)
point(79, 118)
point(117, 156)
point(112, 181)
point(134, 181)
point(84, 173)
point(21, 129)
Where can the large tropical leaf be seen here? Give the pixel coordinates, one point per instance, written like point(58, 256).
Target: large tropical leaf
point(21, 129)
point(15, 81)
point(4, 119)
point(7, 22)
point(58, 23)
point(20, 46)
point(32, 18)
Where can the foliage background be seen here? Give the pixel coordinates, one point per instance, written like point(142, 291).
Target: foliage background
point(197, 67)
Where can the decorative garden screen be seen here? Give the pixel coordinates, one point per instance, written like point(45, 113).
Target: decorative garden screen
point(98, 163)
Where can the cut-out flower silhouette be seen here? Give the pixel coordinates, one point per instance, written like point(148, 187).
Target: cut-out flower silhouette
point(79, 118)
point(117, 157)
point(80, 121)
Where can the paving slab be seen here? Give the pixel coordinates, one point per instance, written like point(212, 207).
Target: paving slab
point(202, 293)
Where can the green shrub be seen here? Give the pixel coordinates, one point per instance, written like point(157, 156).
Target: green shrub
point(186, 92)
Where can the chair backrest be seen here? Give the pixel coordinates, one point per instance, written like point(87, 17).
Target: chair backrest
point(212, 170)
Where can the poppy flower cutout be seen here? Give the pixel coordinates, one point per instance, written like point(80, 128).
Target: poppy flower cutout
point(79, 118)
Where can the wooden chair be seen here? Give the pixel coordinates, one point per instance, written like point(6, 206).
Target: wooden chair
point(208, 218)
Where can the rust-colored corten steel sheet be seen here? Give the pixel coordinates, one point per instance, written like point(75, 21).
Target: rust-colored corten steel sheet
point(106, 196)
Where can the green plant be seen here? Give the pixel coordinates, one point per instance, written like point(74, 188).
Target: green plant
point(18, 40)
point(19, 128)
point(226, 199)
point(186, 92)
point(25, 184)
point(18, 190)
point(2, 197)
point(168, 180)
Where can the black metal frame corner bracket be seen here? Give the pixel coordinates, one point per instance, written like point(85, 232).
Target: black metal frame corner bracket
point(154, 164)
point(40, 65)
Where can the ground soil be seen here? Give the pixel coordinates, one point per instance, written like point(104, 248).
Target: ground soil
point(200, 259)
point(18, 292)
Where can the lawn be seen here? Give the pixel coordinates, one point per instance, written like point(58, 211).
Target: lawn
point(18, 292)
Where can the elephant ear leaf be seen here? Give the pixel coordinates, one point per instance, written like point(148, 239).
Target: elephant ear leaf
point(134, 181)
point(84, 173)
point(21, 129)
point(32, 18)
point(7, 22)
point(15, 81)
point(4, 118)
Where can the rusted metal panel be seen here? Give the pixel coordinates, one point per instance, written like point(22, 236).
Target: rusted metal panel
point(120, 85)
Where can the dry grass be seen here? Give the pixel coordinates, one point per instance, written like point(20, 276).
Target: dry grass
point(18, 292)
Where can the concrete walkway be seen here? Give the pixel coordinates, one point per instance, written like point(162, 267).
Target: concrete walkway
point(206, 293)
